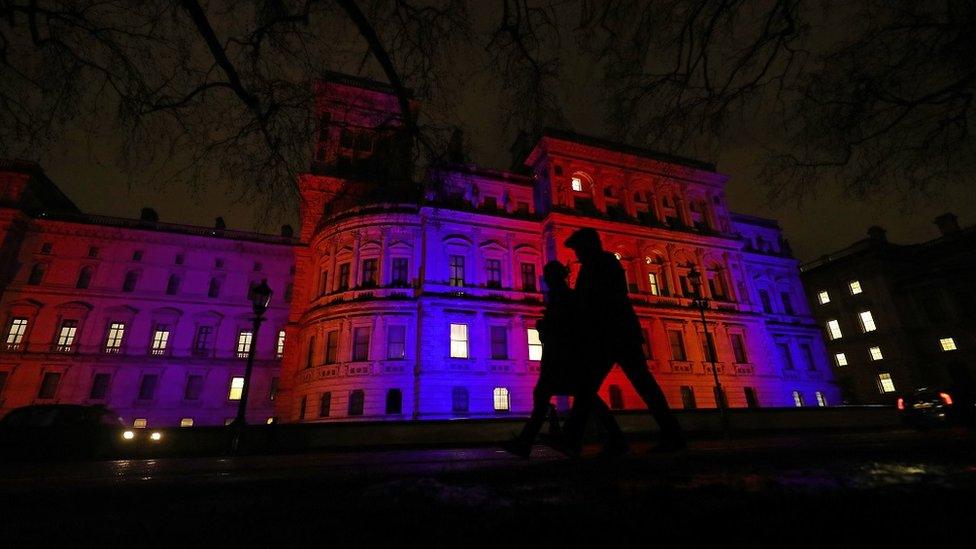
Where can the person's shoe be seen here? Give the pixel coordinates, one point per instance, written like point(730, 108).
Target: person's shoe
point(518, 448)
point(614, 449)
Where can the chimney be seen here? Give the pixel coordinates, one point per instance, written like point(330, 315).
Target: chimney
point(287, 231)
point(148, 214)
point(219, 223)
point(877, 233)
point(947, 223)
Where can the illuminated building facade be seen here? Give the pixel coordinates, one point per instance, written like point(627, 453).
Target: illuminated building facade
point(424, 307)
point(898, 317)
point(150, 319)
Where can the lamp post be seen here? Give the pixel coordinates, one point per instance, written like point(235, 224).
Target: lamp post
point(701, 304)
point(260, 296)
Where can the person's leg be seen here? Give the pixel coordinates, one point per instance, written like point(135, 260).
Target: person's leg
point(584, 399)
point(541, 407)
point(615, 436)
point(634, 366)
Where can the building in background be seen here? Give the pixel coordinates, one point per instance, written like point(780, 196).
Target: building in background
point(150, 319)
point(898, 317)
point(421, 303)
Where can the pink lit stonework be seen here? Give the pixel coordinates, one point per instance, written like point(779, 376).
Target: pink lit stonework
point(403, 307)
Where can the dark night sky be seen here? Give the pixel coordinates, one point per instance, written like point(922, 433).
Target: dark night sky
point(85, 169)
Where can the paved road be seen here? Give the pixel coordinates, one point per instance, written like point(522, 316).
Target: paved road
point(824, 488)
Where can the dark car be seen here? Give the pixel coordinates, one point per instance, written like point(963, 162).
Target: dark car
point(928, 407)
point(59, 431)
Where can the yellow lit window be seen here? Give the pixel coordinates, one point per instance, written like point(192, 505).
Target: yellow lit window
point(867, 322)
point(840, 359)
point(577, 185)
point(885, 383)
point(875, 353)
point(236, 388)
point(823, 297)
point(140, 423)
point(535, 345)
point(186, 422)
point(948, 344)
point(833, 330)
point(855, 286)
point(459, 341)
point(501, 399)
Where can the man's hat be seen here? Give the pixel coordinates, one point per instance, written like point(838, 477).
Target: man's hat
point(583, 238)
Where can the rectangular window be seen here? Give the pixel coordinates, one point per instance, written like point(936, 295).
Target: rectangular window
point(147, 387)
point(357, 401)
point(528, 277)
point(236, 388)
point(708, 347)
point(885, 383)
point(360, 344)
point(785, 355)
point(194, 387)
point(948, 344)
point(113, 342)
point(324, 282)
point(369, 275)
point(535, 344)
point(3, 381)
point(833, 330)
point(273, 389)
point(499, 342)
point(787, 302)
point(823, 297)
point(677, 342)
point(767, 305)
point(840, 359)
point(186, 422)
point(343, 282)
point(652, 283)
point(160, 340)
point(332, 347)
point(867, 322)
point(459, 400)
point(201, 343)
point(66, 335)
point(798, 399)
point(325, 404)
point(459, 341)
point(752, 399)
point(395, 342)
point(99, 387)
point(310, 354)
point(457, 271)
point(280, 344)
point(501, 399)
point(244, 338)
point(493, 270)
point(576, 184)
point(875, 353)
point(398, 273)
point(855, 287)
point(739, 348)
point(808, 356)
point(49, 385)
point(688, 398)
point(92, 251)
point(15, 334)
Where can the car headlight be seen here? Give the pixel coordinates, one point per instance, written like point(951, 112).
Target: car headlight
point(128, 435)
point(156, 436)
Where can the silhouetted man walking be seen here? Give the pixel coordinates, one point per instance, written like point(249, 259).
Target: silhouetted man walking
point(613, 331)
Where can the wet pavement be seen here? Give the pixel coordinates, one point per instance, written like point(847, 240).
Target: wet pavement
point(871, 487)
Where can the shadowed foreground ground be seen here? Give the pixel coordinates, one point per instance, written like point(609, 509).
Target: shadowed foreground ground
point(827, 490)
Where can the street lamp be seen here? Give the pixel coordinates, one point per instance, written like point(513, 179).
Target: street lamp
point(701, 304)
point(260, 297)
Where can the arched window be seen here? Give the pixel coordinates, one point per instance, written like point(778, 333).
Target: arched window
point(214, 289)
point(357, 399)
point(84, 277)
point(36, 274)
point(394, 401)
point(501, 399)
point(130, 281)
point(172, 285)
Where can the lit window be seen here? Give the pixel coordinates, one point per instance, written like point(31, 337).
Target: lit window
point(577, 185)
point(885, 383)
point(66, 336)
point(244, 343)
point(535, 345)
point(140, 423)
point(855, 287)
point(797, 399)
point(457, 271)
point(269, 421)
point(948, 344)
point(617, 255)
point(833, 330)
point(821, 399)
point(823, 297)
point(459, 341)
point(15, 335)
point(160, 341)
point(186, 422)
point(875, 353)
point(501, 399)
point(867, 322)
point(840, 359)
point(280, 345)
point(113, 343)
point(236, 388)
point(652, 281)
